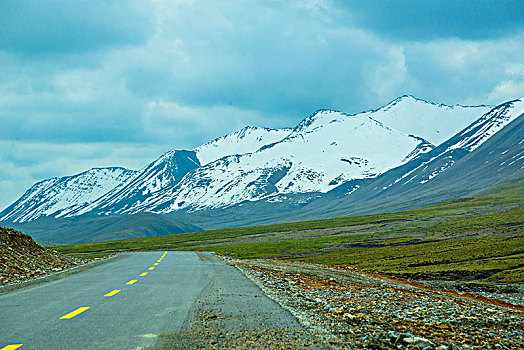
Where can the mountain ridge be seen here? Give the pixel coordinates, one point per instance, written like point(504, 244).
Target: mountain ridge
point(64, 192)
point(325, 151)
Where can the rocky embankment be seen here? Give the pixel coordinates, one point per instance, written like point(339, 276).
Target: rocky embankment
point(21, 259)
point(352, 310)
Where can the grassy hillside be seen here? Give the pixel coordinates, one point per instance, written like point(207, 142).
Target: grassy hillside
point(480, 238)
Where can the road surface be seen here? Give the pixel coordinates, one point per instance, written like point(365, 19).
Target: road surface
point(130, 301)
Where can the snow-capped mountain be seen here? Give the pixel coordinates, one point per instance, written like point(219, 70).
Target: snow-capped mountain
point(246, 140)
point(330, 149)
point(163, 173)
point(463, 143)
point(433, 122)
point(324, 152)
point(54, 195)
point(455, 172)
point(483, 153)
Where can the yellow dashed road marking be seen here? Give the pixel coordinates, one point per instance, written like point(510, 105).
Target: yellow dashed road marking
point(151, 268)
point(155, 264)
point(74, 313)
point(110, 294)
point(131, 282)
point(159, 260)
point(143, 274)
point(11, 347)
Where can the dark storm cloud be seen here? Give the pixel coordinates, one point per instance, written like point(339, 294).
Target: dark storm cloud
point(35, 27)
point(434, 19)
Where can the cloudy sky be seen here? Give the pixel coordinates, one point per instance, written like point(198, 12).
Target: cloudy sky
point(117, 83)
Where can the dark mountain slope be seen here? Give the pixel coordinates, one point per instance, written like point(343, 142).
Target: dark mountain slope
point(164, 172)
point(99, 228)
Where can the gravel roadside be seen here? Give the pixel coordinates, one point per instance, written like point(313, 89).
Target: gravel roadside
point(357, 310)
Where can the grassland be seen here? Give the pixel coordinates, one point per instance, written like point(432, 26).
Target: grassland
point(480, 238)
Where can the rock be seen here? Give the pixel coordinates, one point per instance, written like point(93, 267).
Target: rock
point(338, 311)
point(355, 319)
point(422, 342)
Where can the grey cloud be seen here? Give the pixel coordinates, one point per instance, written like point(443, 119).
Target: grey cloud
point(55, 118)
point(429, 20)
point(275, 62)
point(459, 71)
point(34, 27)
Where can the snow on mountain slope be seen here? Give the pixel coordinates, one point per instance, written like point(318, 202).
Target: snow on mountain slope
point(433, 122)
point(246, 140)
point(163, 173)
point(221, 183)
point(463, 143)
point(489, 124)
point(331, 147)
point(324, 150)
point(50, 196)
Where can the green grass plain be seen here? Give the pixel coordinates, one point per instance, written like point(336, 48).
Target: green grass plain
point(479, 238)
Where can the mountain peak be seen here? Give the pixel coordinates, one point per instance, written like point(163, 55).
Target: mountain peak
point(319, 117)
point(171, 161)
point(246, 140)
point(53, 195)
point(409, 99)
point(431, 121)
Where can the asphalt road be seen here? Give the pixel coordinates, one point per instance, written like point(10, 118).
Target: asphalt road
point(117, 305)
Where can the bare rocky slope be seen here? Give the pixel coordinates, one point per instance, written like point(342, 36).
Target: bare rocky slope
point(22, 259)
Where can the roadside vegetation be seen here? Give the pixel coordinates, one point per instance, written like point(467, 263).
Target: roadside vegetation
point(479, 238)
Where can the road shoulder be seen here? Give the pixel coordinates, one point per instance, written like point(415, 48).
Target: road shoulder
point(232, 312)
